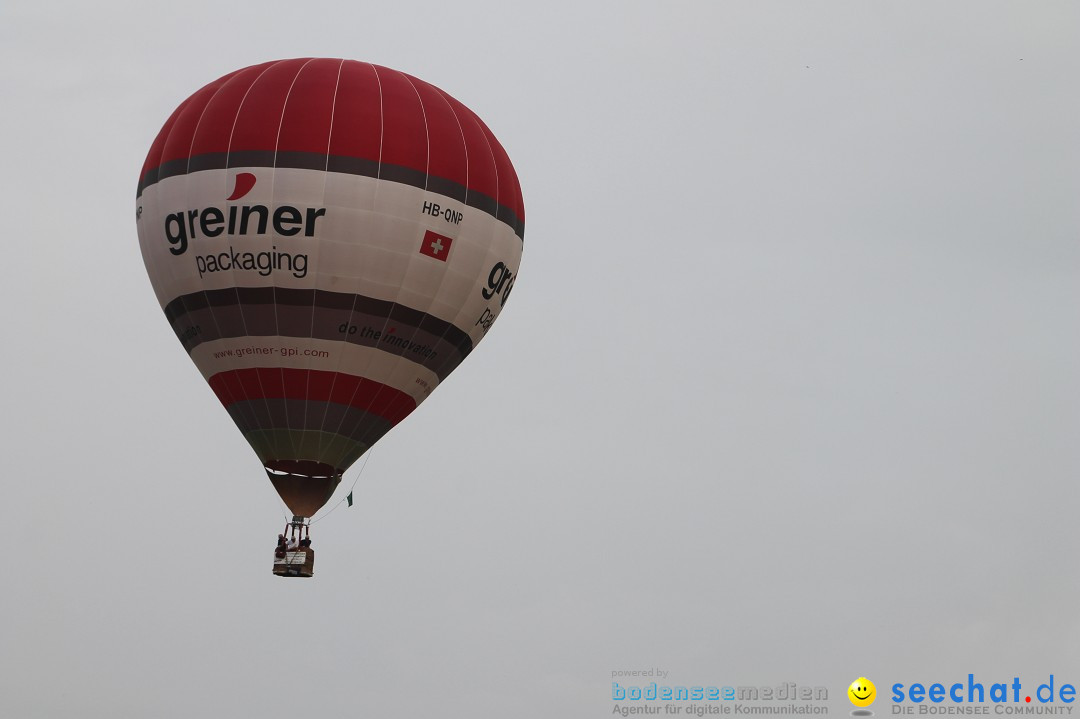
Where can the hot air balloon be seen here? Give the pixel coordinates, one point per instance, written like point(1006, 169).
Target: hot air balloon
point(328, 239)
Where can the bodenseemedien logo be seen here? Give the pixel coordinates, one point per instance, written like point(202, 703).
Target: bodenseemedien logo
point(700, 699)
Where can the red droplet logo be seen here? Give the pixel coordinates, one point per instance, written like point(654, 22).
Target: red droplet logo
point(244, 182)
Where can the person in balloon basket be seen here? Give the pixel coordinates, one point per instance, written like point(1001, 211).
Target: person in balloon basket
point(279, 552)
point(289, 545)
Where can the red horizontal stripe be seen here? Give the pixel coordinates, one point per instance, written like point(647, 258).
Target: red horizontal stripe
point(286, 383)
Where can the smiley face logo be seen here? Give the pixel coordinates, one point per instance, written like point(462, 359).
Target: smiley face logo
point(862, 692)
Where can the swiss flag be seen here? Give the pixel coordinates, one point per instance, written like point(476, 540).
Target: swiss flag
point(436, 245)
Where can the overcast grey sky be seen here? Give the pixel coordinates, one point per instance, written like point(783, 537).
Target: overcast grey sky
point(787, 389)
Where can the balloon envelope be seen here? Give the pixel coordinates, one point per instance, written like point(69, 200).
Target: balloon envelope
point(329, 239)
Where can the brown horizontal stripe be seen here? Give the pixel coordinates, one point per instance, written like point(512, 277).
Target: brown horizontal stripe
point(353, 423)
point(317, 314)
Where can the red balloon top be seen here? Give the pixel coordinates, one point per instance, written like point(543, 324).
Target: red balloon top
point(340, 116)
